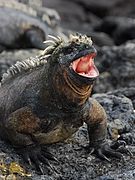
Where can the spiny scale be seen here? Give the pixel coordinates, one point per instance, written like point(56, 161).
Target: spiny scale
point(31, 63)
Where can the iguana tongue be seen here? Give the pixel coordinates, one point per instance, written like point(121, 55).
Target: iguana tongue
point(85, 66)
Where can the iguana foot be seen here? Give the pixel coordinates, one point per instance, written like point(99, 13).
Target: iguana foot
point(35, 155)
point(120, 146)
point(129, 138)
point(115, 149)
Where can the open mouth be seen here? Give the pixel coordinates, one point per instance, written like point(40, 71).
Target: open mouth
point(84, 66)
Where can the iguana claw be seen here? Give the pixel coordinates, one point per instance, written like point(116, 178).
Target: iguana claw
point(35, 155)
point(115, 149)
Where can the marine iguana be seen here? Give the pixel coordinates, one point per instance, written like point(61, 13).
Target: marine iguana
point(44, 100)
point(21, 30)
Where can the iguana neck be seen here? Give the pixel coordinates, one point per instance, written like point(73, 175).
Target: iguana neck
point(69, 91)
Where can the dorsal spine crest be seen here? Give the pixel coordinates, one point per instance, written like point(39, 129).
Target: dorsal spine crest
point(31, 63)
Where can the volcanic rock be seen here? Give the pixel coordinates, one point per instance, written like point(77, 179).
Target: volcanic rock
point(121, 29)
point(118, 63)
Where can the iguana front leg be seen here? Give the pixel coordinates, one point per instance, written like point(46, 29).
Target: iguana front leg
point(97, 130)
point(20, 128)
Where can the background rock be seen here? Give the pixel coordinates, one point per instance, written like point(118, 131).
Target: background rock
point(128, 92)
point(120, 111)
point(89, 14)
point(117, 67)
point(121, 29)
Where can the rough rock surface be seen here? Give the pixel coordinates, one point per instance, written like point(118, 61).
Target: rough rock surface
point(74, 160)
point(100, 8)
point(128, 92)
point(117, 67)
point(9, 58)
point(84, 15)
point(120, 113)
point(121, 29)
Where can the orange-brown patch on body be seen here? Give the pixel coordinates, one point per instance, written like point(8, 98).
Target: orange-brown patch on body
point(25, 121)
point(97, 113)
point(65, 86)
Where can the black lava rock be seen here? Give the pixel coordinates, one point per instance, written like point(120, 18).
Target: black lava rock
point(121, 29)
point(118, 63)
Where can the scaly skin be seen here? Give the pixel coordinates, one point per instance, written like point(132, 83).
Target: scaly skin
point(49, 103)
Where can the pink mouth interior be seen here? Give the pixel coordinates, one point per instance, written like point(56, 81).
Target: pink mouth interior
point(84, 66)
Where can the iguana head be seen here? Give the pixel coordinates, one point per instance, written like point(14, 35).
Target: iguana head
point(75, 56)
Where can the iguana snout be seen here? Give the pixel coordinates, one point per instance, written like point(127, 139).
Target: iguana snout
point(85, 66)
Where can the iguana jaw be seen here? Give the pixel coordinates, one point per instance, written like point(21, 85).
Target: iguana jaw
point(85, 67)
